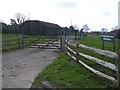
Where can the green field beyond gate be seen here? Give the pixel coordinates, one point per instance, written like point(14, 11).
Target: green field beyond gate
point(10, 41)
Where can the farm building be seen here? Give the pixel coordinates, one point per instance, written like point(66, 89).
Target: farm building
point(35, 27)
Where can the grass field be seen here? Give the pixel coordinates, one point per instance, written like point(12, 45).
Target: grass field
point(27, 40)
point(97, 42)
point(64, 72)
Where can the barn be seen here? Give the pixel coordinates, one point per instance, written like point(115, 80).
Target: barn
point(35, 27)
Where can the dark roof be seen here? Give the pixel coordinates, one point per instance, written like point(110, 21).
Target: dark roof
point(46, 24)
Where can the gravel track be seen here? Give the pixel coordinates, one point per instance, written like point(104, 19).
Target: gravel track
point(22, 66)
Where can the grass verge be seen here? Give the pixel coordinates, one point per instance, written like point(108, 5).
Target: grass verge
point(66, 73)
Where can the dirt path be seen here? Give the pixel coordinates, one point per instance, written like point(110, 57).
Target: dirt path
point(22, 66)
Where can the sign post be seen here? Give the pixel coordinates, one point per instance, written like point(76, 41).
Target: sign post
point(109, 39)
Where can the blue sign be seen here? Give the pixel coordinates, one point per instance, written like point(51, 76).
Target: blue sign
point(108, 38)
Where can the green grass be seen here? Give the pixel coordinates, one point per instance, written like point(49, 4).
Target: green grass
point(97, 43)
point(9, 36)
point(27, 40)
point(66, 73)
point(6, 47)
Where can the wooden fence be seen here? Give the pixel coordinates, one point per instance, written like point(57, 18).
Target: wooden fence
point(18, 41)
point(64, 46)
point(75, 54)
point(22, 42)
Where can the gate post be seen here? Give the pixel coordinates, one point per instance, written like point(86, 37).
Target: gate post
point(62, 44)
point(66, 45)
point(20, 41)
point(77, 52)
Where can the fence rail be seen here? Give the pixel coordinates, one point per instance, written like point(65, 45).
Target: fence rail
point(12, 41)
point(98, 73)
point(77, 55)
point(23, 41)
point(101, 62)
point(99, 51)
point(7, 39)
point(18, 41)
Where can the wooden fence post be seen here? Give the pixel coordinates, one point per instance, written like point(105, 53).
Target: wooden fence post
point(63, 43)
point(77, 52)
point(66, 45)
point(118, 76)
point(20, 41)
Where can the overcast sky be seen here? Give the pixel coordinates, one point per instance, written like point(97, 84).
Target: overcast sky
point(96, 13)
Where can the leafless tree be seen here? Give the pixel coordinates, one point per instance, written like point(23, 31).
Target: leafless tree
point(75, 27)
point(20, 18)
point(115, 28)
point(12, 21)
point(86, 28)
point(104, 30)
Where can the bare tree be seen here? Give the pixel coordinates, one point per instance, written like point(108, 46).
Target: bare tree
point(12, 21)
point(75, 27)
point(104, 30)
point(20, 18)
point(115, 28)
point(86, 28)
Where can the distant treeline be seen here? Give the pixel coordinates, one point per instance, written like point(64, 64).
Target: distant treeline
point(114, 32)
point(6, 29)
point(35, 27)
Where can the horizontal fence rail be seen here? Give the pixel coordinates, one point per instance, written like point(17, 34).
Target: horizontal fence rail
point(96, 60)
point(31, 42)
point(101, 62)
point(12, 42)
point(7, 39)
point(98, 73)
point(99, 51)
